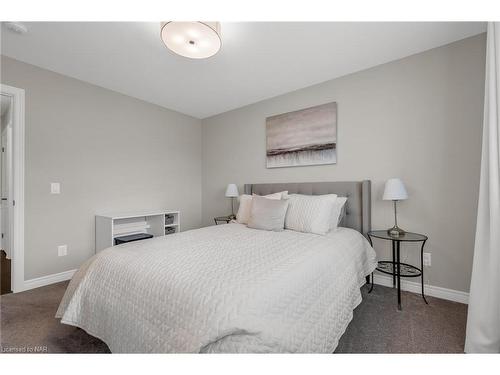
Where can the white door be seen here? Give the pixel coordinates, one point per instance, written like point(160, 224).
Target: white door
point(6, 190)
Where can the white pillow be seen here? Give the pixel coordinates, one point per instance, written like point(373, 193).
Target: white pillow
point(280, 195)
point(338, 210)
point(245, 207)
point(310, 213)
point(268, 214)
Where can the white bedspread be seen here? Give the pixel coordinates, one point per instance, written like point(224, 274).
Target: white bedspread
point(224, 288)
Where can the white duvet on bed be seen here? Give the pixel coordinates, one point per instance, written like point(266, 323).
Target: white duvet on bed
point(224, 288)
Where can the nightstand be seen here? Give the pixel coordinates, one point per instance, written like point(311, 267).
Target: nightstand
point(395, 267)
point(220, 219)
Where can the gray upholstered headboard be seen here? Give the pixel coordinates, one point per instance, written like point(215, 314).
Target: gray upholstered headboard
point(358, 193)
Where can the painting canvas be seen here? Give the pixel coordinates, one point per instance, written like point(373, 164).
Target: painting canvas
point(305, 137)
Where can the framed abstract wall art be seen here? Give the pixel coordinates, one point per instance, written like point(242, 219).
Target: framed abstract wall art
point(304, 137)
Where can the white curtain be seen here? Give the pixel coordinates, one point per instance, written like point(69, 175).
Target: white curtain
point(483, 321)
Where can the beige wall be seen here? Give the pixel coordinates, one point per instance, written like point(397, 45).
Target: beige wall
point(108, 151)
point(418, 118)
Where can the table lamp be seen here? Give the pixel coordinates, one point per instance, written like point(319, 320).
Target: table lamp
point(395, 191)
point(232, 192)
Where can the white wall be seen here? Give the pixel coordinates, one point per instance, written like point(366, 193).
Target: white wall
point(108, 151)
point(418, 118)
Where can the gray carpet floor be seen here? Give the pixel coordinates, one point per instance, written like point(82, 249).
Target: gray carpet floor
point(28, 325)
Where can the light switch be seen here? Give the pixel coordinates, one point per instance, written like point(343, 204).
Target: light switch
point(55, 188)
point(62, 250)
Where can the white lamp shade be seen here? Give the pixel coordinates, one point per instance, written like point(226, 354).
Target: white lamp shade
point(394, 190)
point(232, 191)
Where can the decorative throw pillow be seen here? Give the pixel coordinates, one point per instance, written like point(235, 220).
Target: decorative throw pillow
point(243, 213)
point(281, 195)
point(246, 205)
point(268, 214)
point(338, 212)
point(310, 213)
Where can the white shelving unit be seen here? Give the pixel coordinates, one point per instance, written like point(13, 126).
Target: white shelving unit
point(111, 225)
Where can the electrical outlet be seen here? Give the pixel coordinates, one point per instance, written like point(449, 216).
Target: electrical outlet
point(55, 188)
point(427, 259)
point(62, 250)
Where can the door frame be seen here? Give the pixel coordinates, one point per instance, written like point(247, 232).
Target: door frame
point(6, 138)
point(18, 155)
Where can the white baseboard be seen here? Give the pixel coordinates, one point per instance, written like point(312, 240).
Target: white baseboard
point(409, 286)
point(430, 290)
point(49, 279)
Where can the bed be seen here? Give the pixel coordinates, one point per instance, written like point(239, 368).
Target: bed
point(229, 288)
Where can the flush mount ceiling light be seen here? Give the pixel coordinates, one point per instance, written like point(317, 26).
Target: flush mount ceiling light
point(196, 40)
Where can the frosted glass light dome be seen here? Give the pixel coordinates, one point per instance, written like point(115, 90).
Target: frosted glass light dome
point(195, 40)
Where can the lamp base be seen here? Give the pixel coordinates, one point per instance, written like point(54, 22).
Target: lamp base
point(396, 231)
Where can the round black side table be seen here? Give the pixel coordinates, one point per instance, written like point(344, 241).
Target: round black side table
point(395, 267)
